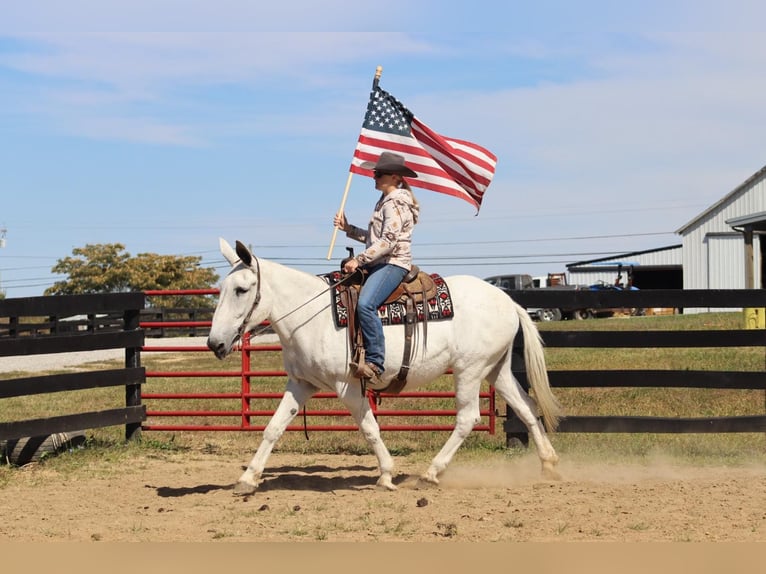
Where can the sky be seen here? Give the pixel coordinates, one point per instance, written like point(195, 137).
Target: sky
point(164, 125)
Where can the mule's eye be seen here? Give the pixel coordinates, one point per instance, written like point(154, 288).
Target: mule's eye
point(239, 291)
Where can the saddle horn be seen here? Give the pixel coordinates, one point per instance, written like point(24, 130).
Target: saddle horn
point(357, 277)
point(346, 259)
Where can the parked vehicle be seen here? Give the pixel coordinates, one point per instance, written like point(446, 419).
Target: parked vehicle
point(610, 312)
point(520, 282)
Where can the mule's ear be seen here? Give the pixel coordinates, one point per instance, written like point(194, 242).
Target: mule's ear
point(244, 254)
point(227, 251)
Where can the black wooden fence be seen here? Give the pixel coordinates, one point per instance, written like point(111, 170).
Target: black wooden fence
point(125, 333)
point(679, 299)
point(161, 321)
point(121, 331)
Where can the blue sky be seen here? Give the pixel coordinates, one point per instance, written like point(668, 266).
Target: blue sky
point(163, 125)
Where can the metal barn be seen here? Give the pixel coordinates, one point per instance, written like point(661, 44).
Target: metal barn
point(713, 250)
point(651, 269)
point(722, 248)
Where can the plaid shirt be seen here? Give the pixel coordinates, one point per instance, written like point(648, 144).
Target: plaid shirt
point(388, 237)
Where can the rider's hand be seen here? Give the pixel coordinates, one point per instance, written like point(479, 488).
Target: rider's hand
point(340, 221)
point(350, 266)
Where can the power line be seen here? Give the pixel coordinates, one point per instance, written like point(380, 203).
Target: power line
point(492, 242)
point(424, 244)
point(474, 257)
point(33, 279)
point(575, 238)
point(424, 261)
point(24, 268)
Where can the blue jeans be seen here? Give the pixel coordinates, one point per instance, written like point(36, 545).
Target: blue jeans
point(381, 282)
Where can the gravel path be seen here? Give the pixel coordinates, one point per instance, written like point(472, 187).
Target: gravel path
point(50, 361)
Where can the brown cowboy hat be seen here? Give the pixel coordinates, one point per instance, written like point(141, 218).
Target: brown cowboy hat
point(389, 162)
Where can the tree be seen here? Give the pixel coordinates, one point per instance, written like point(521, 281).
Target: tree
point(99, 268)
point(108, 268)
point(149, 271)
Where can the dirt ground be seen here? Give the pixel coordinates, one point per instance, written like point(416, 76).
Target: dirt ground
point(187, 497)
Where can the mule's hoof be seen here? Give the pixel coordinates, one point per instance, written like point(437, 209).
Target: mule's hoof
point(428, 479)
point(550, 472)
point(385, 483)
point(243, 489)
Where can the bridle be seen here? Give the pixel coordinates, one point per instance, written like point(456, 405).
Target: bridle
point(257, 300)
point(243, 326)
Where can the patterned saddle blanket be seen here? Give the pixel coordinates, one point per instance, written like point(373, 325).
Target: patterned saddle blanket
point(436, 306)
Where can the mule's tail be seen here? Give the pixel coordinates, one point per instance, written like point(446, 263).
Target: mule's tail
point(537, 373)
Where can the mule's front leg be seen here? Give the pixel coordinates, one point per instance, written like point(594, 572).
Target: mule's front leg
point(296, 395)
point(359, 407)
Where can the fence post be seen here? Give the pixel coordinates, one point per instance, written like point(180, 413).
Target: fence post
point(132, 360)
point(245, 381)
point(192, 315)
point(755, 318)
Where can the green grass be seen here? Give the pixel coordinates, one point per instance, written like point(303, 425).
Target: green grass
point(108, 444)
point(663, 402)
point(733, 448)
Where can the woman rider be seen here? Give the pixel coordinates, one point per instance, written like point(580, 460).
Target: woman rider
point(387, 256)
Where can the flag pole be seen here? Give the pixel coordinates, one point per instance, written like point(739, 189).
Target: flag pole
point(340, 210)
point(378, 72)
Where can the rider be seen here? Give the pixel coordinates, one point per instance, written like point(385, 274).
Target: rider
point(387, 257)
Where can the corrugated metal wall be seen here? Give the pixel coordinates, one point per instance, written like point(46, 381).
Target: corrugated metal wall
point(725, 261)
point(724, 265)
point(713, 253)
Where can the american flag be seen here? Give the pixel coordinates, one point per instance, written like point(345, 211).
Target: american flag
point(446, 165)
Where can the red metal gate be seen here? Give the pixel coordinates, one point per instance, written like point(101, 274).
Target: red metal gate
point(258, 404)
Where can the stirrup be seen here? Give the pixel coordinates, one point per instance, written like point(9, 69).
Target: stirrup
point(366, 371)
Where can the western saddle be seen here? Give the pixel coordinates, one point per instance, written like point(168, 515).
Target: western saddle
point(415, 289)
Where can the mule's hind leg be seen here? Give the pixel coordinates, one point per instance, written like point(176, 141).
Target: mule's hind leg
point(468, 416)
point(522, 404)
point(296, 395)
point(359, 407)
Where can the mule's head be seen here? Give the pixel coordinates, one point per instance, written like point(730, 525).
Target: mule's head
point(239, 298)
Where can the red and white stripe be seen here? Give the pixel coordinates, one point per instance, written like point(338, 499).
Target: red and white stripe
point(445, 165)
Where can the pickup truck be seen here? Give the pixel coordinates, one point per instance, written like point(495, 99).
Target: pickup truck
point(519, 282)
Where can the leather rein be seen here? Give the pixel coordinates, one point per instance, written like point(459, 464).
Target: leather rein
point(257, 300)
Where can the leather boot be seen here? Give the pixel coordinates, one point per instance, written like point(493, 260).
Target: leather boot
point(367, 371)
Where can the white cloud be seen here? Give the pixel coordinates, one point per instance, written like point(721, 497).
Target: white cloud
point(682, 119)
point(181, 15)
point(132, 80)
point(165, 59)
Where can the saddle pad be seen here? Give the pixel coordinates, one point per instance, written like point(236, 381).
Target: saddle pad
point(438, 307)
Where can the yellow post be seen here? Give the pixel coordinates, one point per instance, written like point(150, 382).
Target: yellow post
point(755, 318)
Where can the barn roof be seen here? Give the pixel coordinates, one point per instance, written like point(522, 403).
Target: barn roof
point(623, 259)
point(741, 188)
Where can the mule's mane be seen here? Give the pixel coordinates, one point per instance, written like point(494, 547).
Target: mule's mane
point(299, 275)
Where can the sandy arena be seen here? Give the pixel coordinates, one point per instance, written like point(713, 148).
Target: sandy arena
point(187, 497)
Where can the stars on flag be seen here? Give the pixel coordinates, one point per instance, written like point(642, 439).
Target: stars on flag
point(386, 113)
